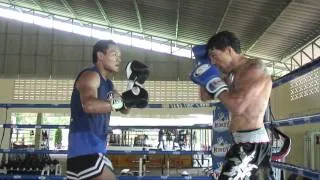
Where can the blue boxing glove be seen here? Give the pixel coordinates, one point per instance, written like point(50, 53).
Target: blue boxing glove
point(207, 76)
point(200, 53)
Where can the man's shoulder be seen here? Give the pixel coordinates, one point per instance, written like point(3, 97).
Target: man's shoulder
point(88, 77)
point(254, 64)
point(253, 68)
point(89, 74)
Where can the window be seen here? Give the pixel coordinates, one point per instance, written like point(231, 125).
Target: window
point(39, 138)
point(305, 85)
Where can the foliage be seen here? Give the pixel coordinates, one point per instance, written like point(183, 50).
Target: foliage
point(58, 137)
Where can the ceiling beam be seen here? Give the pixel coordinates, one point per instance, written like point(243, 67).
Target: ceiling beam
point(275, 66)
point(69, 8)
point(313, 41)
point(310, 58)
point(254, 42)
point(136, 7)
point(290, 69)
point(271, 62)
point(103, 12)
point(256, 57)
point(293, 59)
point(178, 18)
point(224, 16)
point(39, 4)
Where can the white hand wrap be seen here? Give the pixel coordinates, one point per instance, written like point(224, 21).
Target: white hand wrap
point(115, 101)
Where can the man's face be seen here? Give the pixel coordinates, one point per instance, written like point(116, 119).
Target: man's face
point(112, 58)
point(220, 58)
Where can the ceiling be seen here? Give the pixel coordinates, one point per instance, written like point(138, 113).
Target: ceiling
point(271, 30)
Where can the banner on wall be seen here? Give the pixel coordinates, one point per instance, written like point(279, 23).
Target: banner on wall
point(222, 140)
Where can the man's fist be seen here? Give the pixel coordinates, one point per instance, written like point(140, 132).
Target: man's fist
point(208, 76)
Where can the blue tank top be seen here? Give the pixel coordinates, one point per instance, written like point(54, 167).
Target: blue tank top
point(88, 132)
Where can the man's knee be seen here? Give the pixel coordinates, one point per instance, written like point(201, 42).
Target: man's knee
point(106, 174)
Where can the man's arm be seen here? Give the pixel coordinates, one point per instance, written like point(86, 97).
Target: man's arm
point(125, 111)
point(204, 95)
point(87, 85)
point(253, 80)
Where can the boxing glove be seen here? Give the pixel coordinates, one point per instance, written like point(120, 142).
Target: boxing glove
point(135, 97)
point(200, 54)
point(137, 73)
point(208, 76)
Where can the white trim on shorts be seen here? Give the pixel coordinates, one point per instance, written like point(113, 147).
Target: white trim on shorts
point(94, 170)
point(256, 136)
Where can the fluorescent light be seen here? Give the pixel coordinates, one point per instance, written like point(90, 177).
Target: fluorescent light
point(64, 26)
point(185, 121)
point(44, 22)
point(85, 31)
point(101, 34)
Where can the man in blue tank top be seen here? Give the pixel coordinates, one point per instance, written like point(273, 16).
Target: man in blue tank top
point(93, 99)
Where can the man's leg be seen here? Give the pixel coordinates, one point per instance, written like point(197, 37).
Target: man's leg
point(180, 145)
point(265, 165)
point(106, 174)
point(92, 166)
point(163, 145)
point(238, 163)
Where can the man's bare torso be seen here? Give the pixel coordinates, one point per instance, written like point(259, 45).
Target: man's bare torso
point(252, 117)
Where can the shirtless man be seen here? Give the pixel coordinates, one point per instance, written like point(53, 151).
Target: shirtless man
point(245, 91)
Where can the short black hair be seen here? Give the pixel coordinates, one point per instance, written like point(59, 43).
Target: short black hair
point(222, 40)
point(100, 46)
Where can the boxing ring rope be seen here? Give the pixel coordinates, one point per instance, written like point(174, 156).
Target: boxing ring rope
point(197, 126)
point(165, 178)
point(119, 178)
point(295, 169)
point(283, 122)
point(157, 106)
point(309, 173)
point(111, 152)
point(295, 121)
